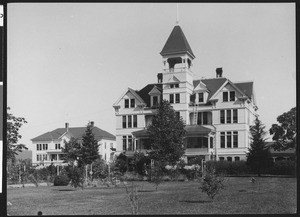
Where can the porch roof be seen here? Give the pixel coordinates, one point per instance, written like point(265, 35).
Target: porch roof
point(191, 130)
point(197, 130)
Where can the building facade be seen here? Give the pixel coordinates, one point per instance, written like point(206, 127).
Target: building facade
point(47, 147)
point(216, 111)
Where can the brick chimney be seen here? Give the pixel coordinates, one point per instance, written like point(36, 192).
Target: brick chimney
point(92, 123)
point(219, 72)
point(159, 78)
point(67, 126)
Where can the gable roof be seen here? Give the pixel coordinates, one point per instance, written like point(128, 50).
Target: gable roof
point(133, 92)
point(75, 132)
point(177, 43)
point(144, 93)
point(245, 87)
point(212, 85)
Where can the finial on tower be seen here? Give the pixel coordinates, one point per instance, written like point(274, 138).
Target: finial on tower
point(177, 16)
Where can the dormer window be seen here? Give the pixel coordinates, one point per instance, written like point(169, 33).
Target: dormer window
point(132, 103)
point(174, 85)
point(200, 97)
point(126, 103)
point(229, 96)
point(154, 100)
point(225, 96)
point(232, 95)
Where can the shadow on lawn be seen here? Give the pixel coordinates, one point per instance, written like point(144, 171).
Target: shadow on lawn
point(196, 201)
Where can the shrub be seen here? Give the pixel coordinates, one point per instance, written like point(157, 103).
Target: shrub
point(75, 175)
point(130, 176)
point(61, 180)
point(228, 168)
point(211, 183)
point(283, 168)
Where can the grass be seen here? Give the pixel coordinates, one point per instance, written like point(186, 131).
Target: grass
point(269, 195)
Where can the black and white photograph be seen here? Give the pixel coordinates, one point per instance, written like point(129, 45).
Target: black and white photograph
point(150, 108)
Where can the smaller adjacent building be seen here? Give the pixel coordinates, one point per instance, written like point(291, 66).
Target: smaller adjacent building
point(47, 147)
point(288, 154)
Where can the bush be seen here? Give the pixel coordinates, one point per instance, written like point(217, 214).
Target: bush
point(61, 180)
point(283, 168)
point(75, 175)
point(211, 183)
point(229, 168)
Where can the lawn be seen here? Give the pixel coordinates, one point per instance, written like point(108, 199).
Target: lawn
point(269, 195)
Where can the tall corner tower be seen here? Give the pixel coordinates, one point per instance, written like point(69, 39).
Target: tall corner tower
point(177, 75)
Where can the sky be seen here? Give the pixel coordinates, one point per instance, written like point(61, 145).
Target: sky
point(70, 62)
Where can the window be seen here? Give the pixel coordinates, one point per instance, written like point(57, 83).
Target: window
point(124, 121)
point(222, 139)
point(221, 158)
point(229, 139)
point(130, 143)
point(155, 100)
point(134, 120)
point(177, 98)
point(105, 156)
point(132, 103)
point(45, 146)
point(232, 95)
point(204, 117)
point(201, 98)
point(44, 157)
point(171, 98)
point(57, 146)
point(129, 121)
point(199, 119)
point(222, 116)
point(228, 118)
point(174, 85)
point(229, 159)
point(211, 141)
point(124, 143)
point(105, 145)
point(225, 96)
point(126, 103)
point(38, 157)
point(235, 116)
point(111, 145)
point(38, 147)
point(229, 113)
point(235, 139)
point(236, 158)
point(197, 142)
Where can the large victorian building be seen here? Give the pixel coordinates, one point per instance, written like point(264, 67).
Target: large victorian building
point(216, 111)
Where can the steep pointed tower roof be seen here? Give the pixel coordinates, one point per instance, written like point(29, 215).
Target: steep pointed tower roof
point(177, 43)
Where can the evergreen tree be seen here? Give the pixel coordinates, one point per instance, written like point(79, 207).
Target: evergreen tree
point(90, 148)
point(258, 156)
point(166, 134)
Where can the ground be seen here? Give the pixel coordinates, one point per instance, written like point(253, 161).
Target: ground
point(269, 195)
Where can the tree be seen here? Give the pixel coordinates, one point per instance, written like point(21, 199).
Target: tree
point(258, 156)
point(71, 151)
point(13, 126)
point(89, 151)
point(166, 134)
point(284, 134)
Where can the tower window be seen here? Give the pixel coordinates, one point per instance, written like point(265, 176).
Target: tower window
point(171, 98)
point(201, 98)
point(177, 98)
